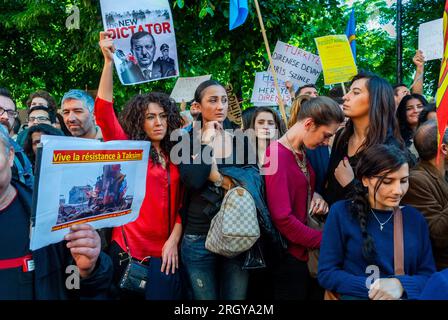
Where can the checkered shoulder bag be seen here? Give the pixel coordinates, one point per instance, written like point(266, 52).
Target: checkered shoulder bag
point(234, 229)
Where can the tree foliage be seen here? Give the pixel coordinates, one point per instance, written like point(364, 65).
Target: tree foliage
point(38, 51)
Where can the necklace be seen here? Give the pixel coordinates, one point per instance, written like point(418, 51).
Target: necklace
point(381, 223)
point(301, 163)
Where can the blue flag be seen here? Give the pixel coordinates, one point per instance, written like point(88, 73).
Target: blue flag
point(237, 13)
point(350, 31)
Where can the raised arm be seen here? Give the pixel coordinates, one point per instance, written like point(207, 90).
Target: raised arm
point(419, 61)
point(105, 89)
point(104, 111)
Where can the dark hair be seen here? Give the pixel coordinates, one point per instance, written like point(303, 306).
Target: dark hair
point(62, 124)
point(323, 110)
point(16, 126)
point(398, 85)
point(139, 35)
point(425, 140)
point(51, 113)
point(336, 93)
point(405, 129)
point(277, 119)
point(423, 117)
point(41, 127)
point(44, 95)
point(303, 87)
point(5, 93)
point(199, 93)
point(133, 118)
point(382, 120)
point(246, 116)
point(378, 160)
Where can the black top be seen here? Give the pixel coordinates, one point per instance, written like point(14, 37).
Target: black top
point(15, 224)
point(333, 191)
point(202, 198)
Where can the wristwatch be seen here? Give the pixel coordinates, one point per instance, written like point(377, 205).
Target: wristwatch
point(220, 181)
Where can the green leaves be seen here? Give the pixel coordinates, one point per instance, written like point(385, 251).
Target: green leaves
point(180, 3)
point(37, 51)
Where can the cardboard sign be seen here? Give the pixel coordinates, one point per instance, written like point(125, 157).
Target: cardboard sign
point(185, 87)
point(430, 39)
point(99, 183)
point(296, 65)
point(234, 113)
point(144, 39)
point(265, 94)
point(336, 58)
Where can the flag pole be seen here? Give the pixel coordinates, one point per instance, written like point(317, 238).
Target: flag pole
point(274, 74)
point(343, 88)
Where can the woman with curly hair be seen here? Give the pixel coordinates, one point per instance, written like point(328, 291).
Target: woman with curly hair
point(357, 250)
point(157, 230)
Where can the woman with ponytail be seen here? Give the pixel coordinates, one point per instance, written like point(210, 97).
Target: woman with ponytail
point(357, 250)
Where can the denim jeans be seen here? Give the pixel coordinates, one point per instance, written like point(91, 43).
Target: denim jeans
point(212, 277)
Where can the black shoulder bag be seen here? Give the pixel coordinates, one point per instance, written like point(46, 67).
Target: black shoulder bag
point(135, 276)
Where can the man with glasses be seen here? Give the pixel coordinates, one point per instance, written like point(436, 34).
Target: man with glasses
point(36, 115)
point(22, 170)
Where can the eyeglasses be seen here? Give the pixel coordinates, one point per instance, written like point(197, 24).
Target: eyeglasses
point(38, 119)
point(10, 113)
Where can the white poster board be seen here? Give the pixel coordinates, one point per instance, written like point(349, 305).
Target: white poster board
point(185, 87)
point(87, 181)
point(265, 94)
point(296, 65)
point(430, 39)
point(144, 39)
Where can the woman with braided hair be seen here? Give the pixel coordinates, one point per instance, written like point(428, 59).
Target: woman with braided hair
point(357, 250)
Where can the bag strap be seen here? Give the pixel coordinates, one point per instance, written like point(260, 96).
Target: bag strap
point(126, 242)
point(398, 242)
point(169, 197)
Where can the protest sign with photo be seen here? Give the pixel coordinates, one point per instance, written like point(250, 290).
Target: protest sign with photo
point(87, 181)
point(265, 94)
point(337, 59)
point(430, 39)
point(144, 39)
point(234, 113)
point(296, 65)
point(185, 87)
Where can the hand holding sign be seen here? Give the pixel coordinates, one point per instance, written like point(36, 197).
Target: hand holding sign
point(85, 246)
point(419, 59)
point(107, 46)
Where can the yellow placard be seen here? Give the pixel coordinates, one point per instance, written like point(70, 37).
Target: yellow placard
point(336, 57)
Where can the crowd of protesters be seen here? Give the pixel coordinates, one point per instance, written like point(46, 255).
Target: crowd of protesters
point(355, 165)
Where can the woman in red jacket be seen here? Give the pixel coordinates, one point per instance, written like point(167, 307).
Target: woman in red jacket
point(157, 230)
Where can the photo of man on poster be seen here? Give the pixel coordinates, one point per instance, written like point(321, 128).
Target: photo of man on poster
point(166, 63)
point(142, 66)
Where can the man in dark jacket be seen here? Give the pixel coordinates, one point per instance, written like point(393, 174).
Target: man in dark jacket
point(428, 188)
point(22, 169)
point(72, 269)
